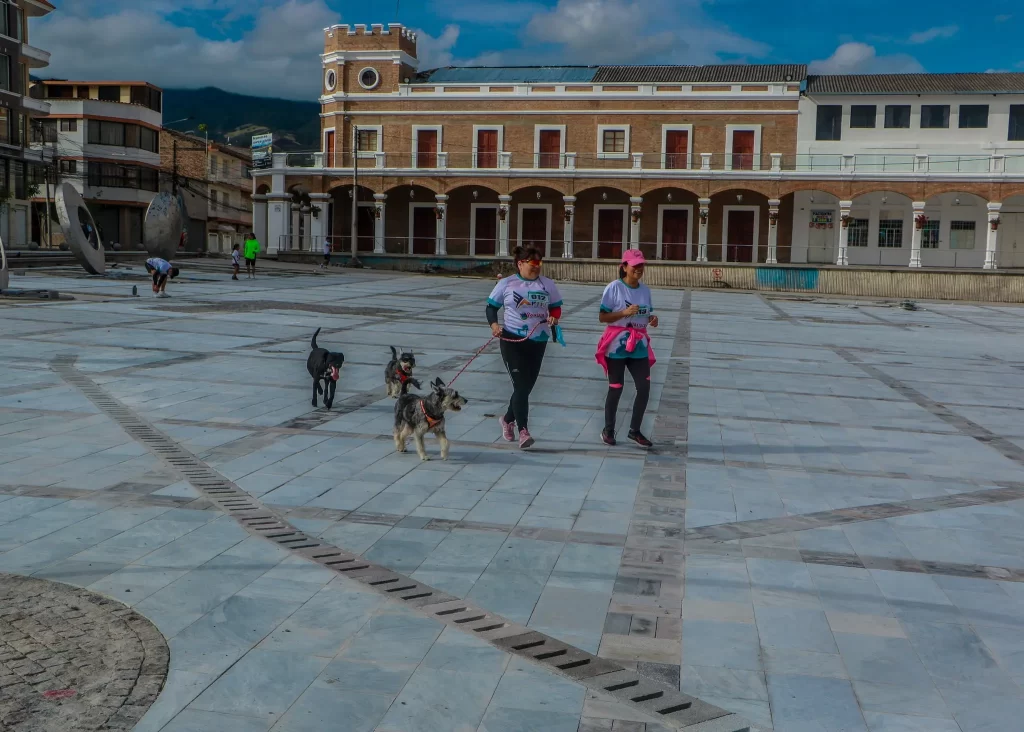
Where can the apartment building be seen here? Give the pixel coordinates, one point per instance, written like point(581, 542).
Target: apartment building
point(20, 165)
point(106, 138)
point(722, 163)
point(214, 181)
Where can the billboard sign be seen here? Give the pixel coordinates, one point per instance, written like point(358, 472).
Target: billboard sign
point(262, 151)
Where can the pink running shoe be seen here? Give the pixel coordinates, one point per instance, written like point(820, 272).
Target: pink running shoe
point(525, 440)
point(508, 429)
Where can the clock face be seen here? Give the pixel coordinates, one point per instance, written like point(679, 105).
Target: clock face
point(369, 78)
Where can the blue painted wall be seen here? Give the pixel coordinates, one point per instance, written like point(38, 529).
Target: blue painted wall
point(777, 278)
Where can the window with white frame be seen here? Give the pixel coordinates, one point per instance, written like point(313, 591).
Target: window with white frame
point(612, 141)
point(858, 233)
point(961, 234)
point(368, 141)
point(930, 234)
point(890, 233)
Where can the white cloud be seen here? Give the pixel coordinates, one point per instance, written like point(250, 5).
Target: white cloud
point(436, 52)
point(279, 56)
point(927, 36)
point(860, 58)
point(634, 31)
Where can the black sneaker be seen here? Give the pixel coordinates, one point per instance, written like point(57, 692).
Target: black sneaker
point(639, 439)
point(608, 436)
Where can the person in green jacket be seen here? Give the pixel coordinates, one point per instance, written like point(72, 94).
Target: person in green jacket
point(251, 249)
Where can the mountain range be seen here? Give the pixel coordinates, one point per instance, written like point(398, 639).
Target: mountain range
point(235, 118)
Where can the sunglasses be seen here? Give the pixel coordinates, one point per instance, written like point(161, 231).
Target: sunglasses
point(533, 262)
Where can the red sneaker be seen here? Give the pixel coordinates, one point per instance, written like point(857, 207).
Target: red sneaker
point(525, 440)
point(508, 430)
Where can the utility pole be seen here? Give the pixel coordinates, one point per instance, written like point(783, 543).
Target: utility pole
point(174, 164)
point(355, 194)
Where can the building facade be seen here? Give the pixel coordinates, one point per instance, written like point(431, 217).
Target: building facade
point(725, 163)
point(214, 181)
point(21, 165)
point(105, 138)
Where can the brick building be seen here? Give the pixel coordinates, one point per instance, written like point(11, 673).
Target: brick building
point(724, 163)
point(214, 181)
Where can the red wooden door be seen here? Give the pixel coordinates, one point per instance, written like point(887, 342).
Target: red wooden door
point(743, 150)
point(677, 143)
point(426, 148)
point(424, 230)
point(609, 233)
point(741, 237)
point(550, 149)
point(485, 231)
point(675, 228)
point(535, 228)
point(487, 149)
point(329, 149)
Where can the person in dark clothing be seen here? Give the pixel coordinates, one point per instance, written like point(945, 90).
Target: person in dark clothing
point(532, 306)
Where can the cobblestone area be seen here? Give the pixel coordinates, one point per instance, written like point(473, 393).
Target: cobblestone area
point(73, 660)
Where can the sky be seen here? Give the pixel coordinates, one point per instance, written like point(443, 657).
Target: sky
point(271, 47)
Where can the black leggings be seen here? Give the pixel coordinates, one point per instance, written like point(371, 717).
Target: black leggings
point(640, 370)
point(523, 361)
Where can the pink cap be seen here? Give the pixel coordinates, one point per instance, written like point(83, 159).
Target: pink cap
point(633, 257)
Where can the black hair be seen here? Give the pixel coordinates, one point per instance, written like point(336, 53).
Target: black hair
point(528, 252)
point(622, 271)
point(234, 247)
point(174, 272)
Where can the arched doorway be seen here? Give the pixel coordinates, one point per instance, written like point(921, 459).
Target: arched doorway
point(602, 221)
point(738, 227)
point(816, 227)
point(473, 221)
point(537, 219)
point(340, 228)
point(410, 221)
point(881, 229)
point(668, 229)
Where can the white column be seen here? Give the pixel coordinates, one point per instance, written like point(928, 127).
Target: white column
point(504, 212)
point(318, 223)
point(295, 228)
point(259, 222)
point(842, 258)
point(570, 223)
point(773, 232)
point(378, 222)
point(915, 242)
point(634, 221)
point(279, 211)
point(441, 213)
point(308, 243)
point(992, 243)
point(702, 231)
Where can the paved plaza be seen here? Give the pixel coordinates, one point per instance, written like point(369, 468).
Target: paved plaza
point(828, 537)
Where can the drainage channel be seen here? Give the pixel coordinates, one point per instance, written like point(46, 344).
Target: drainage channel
point(655, 699)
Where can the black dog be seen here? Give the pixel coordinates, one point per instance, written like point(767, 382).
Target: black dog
point(325, 366)
point(398, 373)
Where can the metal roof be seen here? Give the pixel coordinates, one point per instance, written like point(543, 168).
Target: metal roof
point(717, 73)
point(1006, 83)
point(507, 75)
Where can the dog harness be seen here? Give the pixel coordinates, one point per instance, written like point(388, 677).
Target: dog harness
point(432, 422)
point(403, 376)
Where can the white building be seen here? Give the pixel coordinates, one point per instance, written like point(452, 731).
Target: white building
point(106, 136)
point(969, 127)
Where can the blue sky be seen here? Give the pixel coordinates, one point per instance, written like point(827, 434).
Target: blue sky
point(270, 46)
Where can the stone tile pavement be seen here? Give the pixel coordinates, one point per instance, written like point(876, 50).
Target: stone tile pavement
point(749, 560)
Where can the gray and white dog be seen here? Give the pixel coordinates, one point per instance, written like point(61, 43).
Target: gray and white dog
point(415, 416)
point(398, 373)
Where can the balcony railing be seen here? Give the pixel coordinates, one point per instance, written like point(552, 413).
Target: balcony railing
point(684, 164)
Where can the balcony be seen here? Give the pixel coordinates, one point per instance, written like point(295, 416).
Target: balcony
point(35, 106)
point(35, 58)
point(691, 165)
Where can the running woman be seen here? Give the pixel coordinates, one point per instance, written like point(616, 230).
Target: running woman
point(161, 270)
point(532, 306)
point(628, 310)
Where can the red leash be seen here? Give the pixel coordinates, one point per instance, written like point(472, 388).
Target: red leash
point(491, 340)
